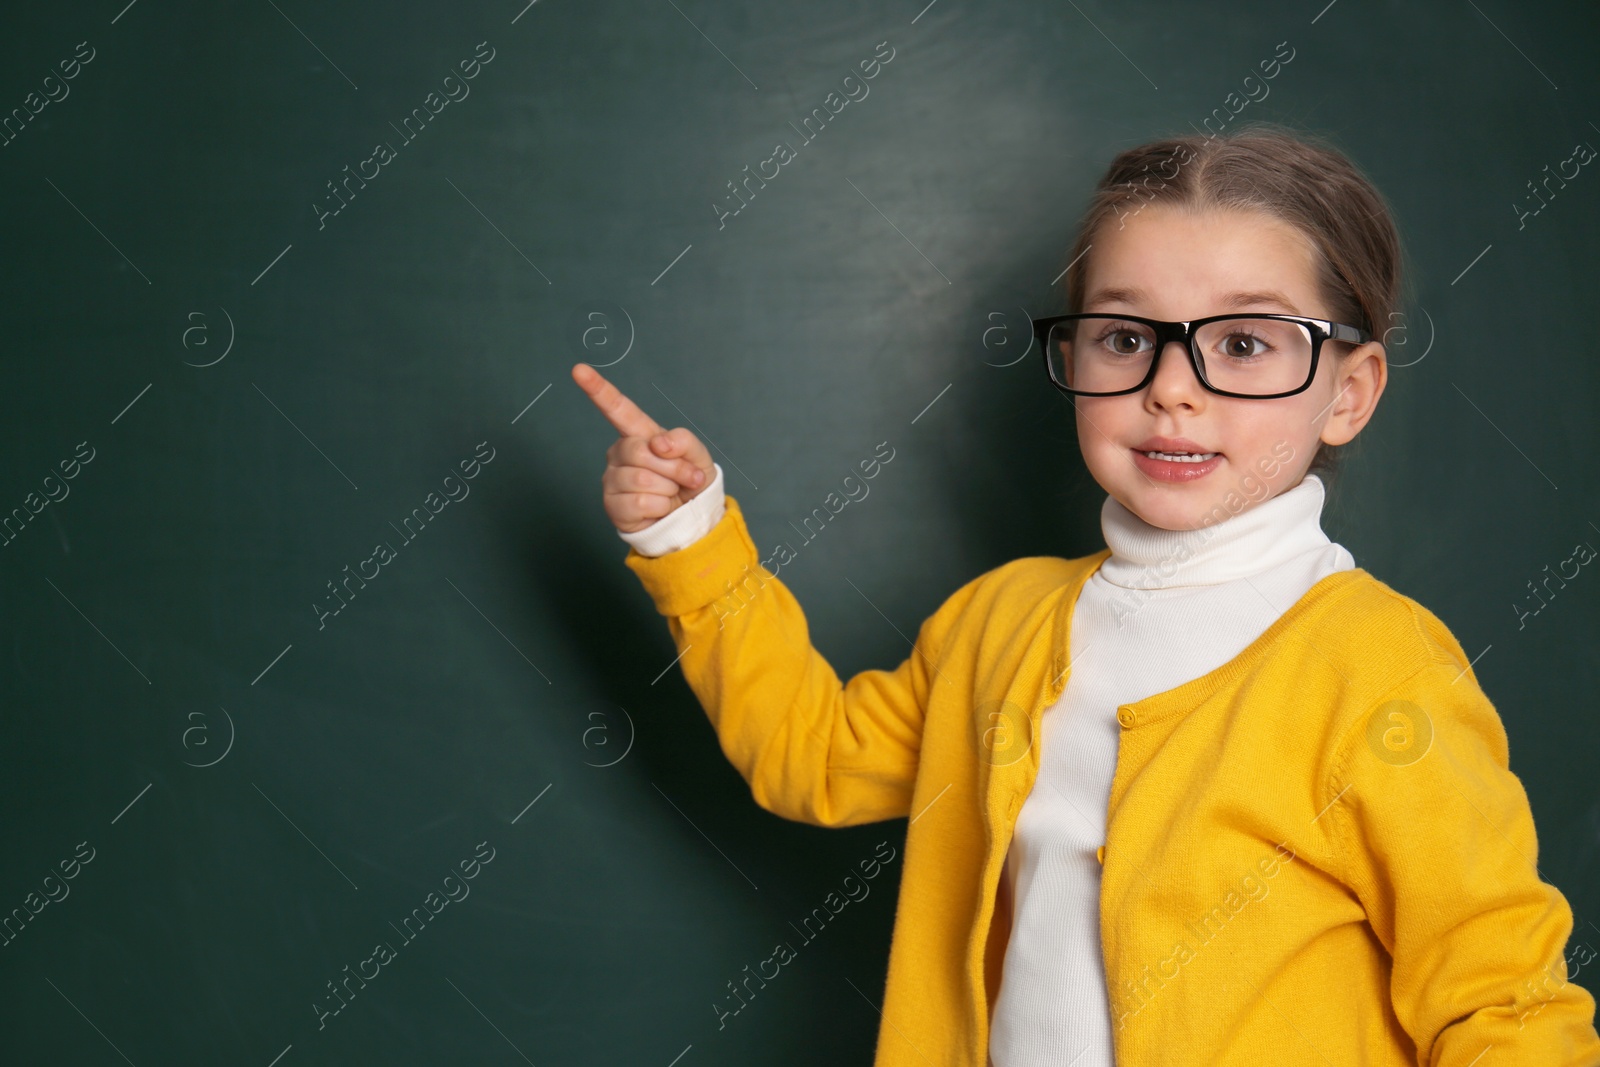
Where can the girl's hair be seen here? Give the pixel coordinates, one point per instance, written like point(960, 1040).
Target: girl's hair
point(1299, 178)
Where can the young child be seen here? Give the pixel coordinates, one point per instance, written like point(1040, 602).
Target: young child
point(1214, 794)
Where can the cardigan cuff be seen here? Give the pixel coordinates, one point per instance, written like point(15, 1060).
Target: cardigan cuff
point(703, 572)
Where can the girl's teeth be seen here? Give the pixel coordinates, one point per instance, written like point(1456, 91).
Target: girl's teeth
point(1181, 457)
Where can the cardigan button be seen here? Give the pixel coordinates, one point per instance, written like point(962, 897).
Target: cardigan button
point(1100, 854)
point(1126, 716)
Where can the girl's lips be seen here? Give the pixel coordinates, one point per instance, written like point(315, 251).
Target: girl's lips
point(1167, 470)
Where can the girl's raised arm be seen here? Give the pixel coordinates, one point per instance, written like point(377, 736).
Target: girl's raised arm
point(813, 748)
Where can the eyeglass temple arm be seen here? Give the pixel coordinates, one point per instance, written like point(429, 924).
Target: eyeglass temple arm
point(1340, 332)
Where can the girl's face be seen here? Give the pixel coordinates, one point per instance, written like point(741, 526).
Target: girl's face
point(1166, 263)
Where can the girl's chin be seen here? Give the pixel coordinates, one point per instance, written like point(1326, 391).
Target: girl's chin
point(1174, 506)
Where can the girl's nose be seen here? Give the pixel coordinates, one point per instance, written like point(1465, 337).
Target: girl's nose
point(1175, 377)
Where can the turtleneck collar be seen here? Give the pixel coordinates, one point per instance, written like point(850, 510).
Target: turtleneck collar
point(1255, 540)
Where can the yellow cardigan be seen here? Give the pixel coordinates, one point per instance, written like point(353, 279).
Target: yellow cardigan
point(1315, 854)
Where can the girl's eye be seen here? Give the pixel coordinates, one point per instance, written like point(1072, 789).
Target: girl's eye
point(1243, 346)
point(1123, 342)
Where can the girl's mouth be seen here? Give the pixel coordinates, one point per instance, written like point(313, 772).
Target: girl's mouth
point(1176, 466)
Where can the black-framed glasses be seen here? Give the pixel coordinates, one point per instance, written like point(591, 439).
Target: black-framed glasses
point(1257, 356)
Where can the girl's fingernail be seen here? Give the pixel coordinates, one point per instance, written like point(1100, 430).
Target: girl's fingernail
point(698, 477)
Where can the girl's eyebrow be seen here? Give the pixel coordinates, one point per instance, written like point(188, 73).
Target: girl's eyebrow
point(1230, 302)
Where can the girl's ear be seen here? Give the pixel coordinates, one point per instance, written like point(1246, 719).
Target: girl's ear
point(1359, 383)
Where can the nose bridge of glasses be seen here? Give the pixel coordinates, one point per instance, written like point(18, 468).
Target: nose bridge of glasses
point(1168, 335)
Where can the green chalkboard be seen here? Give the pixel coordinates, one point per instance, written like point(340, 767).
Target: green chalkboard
point(334, 729)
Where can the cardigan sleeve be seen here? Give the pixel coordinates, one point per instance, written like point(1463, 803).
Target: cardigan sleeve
point(813, 749)
point(1437, 840)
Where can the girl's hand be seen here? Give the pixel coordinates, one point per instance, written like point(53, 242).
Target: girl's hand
point(650, 472)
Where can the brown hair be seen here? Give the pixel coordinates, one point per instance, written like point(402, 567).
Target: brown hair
point(1297, 177)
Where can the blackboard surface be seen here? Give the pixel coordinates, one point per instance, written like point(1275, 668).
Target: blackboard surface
point(292, 294)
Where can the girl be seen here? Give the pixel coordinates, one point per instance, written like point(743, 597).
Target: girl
point(1211, 795)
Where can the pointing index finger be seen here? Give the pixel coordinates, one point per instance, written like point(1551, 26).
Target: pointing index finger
point(621, 412)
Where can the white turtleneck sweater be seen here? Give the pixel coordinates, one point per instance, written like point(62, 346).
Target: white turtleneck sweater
point(1164, 608)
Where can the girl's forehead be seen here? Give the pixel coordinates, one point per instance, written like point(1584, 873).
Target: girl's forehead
point(1164, 254)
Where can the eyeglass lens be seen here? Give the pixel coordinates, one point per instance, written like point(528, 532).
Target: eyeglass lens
point(1105, 354)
